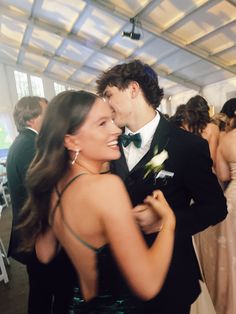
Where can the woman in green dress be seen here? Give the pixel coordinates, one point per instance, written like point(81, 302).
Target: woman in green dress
point(89, 213)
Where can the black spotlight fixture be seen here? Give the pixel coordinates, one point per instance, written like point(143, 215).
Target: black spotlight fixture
point(132, 34)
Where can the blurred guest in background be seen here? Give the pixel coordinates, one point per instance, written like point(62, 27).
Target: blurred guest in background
point(197, 120)
point(179, 116)
point(222, 121)
point(45, 295)
point(229, 108)
point(219, 264)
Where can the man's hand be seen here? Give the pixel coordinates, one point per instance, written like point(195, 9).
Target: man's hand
point(147, 219)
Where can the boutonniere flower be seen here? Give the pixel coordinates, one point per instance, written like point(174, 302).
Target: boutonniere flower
point(156, 164)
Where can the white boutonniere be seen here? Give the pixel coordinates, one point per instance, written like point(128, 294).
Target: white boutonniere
point(156, 164)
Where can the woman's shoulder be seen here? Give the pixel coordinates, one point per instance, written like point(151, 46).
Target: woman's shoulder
point(210, 131)
point(98, 182)
point(107, 181)
point(229, 138)
point(105, 189)
point(212, 128)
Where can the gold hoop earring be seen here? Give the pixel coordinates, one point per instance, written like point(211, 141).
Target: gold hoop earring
point(75, 157)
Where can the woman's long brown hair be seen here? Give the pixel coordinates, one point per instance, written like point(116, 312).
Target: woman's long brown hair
point(65, 114)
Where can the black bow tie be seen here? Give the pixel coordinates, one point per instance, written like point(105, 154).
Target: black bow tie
point(127, 139)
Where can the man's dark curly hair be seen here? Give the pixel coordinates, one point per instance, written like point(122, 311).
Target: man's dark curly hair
point(123, 74)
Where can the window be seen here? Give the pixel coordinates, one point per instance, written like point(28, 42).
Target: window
point(6, 134)
point(37, 86)
point(22, 86)
point(70, 88)
point(59, 88)
point(5, 140)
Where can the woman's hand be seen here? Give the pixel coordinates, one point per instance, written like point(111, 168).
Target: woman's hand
point(161, 207)
point(147, 219)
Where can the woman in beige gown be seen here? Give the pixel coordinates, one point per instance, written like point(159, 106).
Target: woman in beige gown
point(226, 274)
point(217, 245)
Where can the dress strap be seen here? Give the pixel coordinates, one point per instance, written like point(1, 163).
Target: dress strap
point(58, 204)
point(68, 184)
point(59, 194)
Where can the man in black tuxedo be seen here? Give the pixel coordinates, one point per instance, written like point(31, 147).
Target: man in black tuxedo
point(186, 177)
point(45, 281)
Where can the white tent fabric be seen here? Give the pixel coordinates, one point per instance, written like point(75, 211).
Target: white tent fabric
point(190, 43)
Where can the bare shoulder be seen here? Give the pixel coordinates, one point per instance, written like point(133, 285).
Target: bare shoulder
point(229, 139)
point(103, 184)
point(211, 129)
point(106, 191)
point(107, 183)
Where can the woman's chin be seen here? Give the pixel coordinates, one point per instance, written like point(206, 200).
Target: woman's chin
point(116, 155)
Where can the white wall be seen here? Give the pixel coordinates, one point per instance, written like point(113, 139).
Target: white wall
point(216, 94)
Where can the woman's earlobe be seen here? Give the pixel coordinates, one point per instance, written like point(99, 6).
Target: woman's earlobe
point(67, 142)
point(71, 143)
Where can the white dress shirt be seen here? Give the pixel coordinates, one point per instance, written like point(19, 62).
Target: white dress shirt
point(32, 130)
point(133, 154)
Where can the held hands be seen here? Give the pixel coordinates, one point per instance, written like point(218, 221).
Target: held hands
point(154, 213)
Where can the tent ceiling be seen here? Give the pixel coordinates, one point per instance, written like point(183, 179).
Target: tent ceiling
point(190, 43)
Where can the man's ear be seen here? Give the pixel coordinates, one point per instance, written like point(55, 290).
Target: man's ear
point(134, 88)
point(71, 143)
point(30, 123)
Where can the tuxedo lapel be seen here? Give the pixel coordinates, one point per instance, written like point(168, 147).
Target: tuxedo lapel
point(120, 166)
point(160, 139)
point(161, 136)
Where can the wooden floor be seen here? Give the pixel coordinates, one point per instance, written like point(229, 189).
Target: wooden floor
point(14, 294)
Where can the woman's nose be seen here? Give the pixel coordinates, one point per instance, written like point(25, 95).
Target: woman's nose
point(116, 129)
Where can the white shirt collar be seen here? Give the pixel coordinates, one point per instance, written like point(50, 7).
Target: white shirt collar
point(148, 130)
point(32, 129)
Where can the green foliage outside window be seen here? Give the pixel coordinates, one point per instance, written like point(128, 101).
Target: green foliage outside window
point(5, 140)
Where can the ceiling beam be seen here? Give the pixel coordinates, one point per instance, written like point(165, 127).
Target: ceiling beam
point(106, 46)
point(233, 2)
point(175, 78)
point(224, 49)
point(72, 31)
point(84, 42)
point(48, 55)
point(66, 61)
point(211, 32)
point(169, 37)
point(49, 27)
point(190, 11)
point(28, 31)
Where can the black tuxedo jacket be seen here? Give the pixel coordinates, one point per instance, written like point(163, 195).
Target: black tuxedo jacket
point(189, 160)
point(20, 155)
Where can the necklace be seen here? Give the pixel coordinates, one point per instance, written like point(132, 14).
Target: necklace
point(85, 168)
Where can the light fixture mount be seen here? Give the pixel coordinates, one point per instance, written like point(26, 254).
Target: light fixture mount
point(132, 34)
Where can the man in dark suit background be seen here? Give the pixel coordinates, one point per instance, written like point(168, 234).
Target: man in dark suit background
point(186, 178)
point(47, 291)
